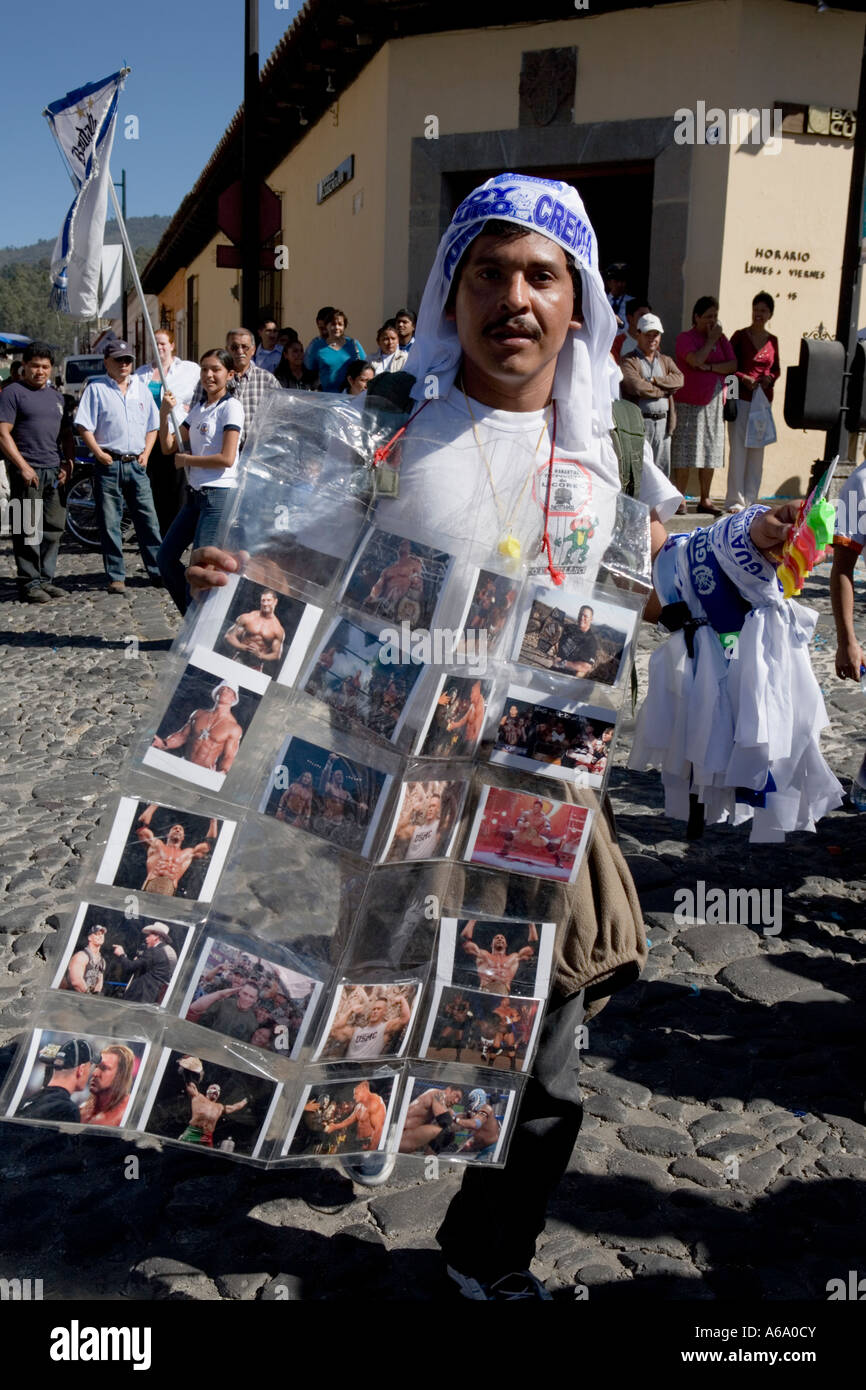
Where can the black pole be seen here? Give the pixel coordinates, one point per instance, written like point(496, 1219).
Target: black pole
point(849, 288)
point(124, 277)
point(250, 179)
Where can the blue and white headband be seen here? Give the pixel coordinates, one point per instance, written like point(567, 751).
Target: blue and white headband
point(586, 378)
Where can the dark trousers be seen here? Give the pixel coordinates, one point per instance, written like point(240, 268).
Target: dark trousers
point(491, 1227)
point(197, 523)
point(115, 484)
point(168, 485)
point(42, 512)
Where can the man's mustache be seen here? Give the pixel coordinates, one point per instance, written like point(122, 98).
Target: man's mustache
point(531, 330)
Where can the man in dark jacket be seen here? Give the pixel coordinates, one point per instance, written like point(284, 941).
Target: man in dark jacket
point(68, 1070)
point(152, 968)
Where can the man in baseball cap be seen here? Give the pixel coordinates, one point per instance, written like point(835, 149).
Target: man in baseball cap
point(69, 1073)
point(649, 378)
point(118, 421)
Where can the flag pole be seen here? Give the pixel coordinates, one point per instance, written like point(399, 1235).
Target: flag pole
point(148, 326)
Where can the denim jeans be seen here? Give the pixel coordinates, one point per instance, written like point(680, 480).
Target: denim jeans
point(35, 556)
point(197, 523)
point(491, 1226)
point(115, 484)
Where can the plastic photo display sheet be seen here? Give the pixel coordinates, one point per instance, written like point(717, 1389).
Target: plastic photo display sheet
point(392, 688)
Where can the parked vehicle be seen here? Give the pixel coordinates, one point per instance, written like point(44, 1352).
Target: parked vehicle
point(77, 371)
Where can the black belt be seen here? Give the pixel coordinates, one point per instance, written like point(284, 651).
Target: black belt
point(663, 416)
point(122, 458)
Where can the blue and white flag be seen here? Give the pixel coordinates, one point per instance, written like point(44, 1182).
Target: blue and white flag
point(83, 123)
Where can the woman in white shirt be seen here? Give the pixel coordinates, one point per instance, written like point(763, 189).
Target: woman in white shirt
point(167, 483)
point(209, 438)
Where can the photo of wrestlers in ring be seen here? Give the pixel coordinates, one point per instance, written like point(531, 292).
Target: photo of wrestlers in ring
point(212, 1106)
point(132, 959)
point(78, 1079)
point(569, 744)
point(397, 580)
point(467, 1122)
point(342, 1117)
point(485, 1030)
point(325, 793)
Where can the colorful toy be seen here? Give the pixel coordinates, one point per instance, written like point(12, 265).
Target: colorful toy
point(809, 538)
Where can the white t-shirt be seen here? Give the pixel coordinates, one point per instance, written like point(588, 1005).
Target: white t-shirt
point(206, 424)
point(423, 841)
point(366, 1042)
point(181, 379)
point(447, 494)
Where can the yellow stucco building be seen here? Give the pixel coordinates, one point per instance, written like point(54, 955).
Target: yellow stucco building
point(378, 119)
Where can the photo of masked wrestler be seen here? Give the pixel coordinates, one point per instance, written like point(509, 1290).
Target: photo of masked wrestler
point(342, 1117)
point(462, 1122)
point(199, 736)
point(327, 794)
point(457, 718)
point(130, 959)
point(571, 744)
point(576, 635)
point(396, 580)
point(156, 849)
point(214, 1107)
point(528, 834)
point(490, 608)
point(486, 1030)
point(369, 1021)
point(353, 674)
point(241, 994)
point(496, 957)
point(78, 1078)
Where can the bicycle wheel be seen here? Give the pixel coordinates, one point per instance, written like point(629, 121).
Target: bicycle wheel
point(81, 513)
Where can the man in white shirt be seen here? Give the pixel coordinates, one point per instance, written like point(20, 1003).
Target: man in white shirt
point(118, 421)
point(168, 484)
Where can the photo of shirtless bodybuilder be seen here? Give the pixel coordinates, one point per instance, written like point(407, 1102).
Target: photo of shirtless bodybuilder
point(156, 849)
point(211, 1106)
point(341, 1117)
point(329, 795)
point(397, 580)
point(497, 957)
point(199, 736)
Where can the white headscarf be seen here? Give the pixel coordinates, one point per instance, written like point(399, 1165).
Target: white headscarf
point(586, 379)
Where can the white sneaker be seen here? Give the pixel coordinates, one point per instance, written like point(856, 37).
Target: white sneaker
point(370, 1170)
point(505, 1290)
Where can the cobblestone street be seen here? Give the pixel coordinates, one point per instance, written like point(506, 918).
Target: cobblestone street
point(723, 1148)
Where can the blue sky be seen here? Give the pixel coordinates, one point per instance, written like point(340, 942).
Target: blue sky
point(186, 82)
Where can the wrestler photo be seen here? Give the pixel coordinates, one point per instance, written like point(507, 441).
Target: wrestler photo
point(489, 611)
point(480, 1028)
point(238, 993)
point(577, 634)
point(571, 742)
point(369, 1021)
point(494, 956)
point(130, 959)
point(352, 675)
point(397, 580)
point(457, 719)
point(327, 794)
point(342, 1117)
point(217, 1108)
point(173, 854)
point(426, 820)
point(462, 1122)
point(79, 1078)
point(528, 834)
point(199, 736)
